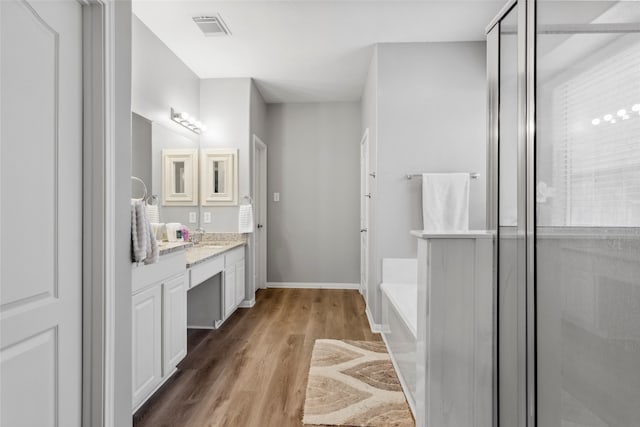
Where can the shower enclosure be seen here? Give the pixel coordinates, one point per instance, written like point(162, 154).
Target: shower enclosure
point(564, 188)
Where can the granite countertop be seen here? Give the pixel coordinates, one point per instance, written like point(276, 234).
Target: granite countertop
point(170, 247)
point(206, 250)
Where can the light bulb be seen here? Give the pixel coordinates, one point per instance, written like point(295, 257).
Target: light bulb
point(192, 121)
point(636, 108)
point(622, 113)
point(608, 117)
point(184, 116)
point(198, 124)
point(595, 122)
point(613, 121)
point(626, 117)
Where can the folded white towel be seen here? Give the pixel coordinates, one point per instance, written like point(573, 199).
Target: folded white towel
point(245, 219)
point(144, 243)
point(445, 201)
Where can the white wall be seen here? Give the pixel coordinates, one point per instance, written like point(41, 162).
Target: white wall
point(431, 102)
point(224, 107)
point(370, 122)
point(161, 81)
point(313, 159)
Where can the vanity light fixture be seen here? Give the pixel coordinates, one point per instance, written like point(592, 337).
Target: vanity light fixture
point(190, 122)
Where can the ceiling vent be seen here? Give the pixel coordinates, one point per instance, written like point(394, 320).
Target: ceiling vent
point(212, 25)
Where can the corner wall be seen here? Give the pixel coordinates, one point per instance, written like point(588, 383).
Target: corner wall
point(430, 100)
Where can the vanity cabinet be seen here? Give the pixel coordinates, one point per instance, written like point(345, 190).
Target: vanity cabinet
point(174, 323)
point(147, 343)
point(233, 280)
point(159, 323)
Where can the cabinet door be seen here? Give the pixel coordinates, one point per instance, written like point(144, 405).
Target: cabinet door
point(239, 282)
point(229, 290)
point(146, 342)
point(174, 330)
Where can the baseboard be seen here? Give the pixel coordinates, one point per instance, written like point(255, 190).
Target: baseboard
point(375, 327)
point(403, 384)
point(309, 285)
point(248, 303)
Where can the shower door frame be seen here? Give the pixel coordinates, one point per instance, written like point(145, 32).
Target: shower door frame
point(526, 313)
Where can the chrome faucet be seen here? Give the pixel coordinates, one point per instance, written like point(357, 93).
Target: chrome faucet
point(196, 237)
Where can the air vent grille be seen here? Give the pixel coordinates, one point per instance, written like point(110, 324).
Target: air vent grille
point(212, 25)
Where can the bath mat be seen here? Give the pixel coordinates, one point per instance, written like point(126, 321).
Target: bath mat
point(353, 383)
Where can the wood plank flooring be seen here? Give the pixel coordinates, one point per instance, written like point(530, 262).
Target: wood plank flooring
point(253, 370)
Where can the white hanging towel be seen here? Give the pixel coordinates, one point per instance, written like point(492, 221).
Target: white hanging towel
point(144, 243)
point(245, 219)
point(152, 213)
point(445, 201)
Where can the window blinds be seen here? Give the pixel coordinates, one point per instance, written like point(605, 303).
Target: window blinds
point(596, 168)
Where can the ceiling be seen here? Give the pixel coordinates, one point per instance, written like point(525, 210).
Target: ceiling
point(307, 51)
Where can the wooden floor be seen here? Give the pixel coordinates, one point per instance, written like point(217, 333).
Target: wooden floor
point(253, 370)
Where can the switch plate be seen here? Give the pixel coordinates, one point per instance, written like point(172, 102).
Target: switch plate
point(207, 217)
point(192, 218)
point(276, 197)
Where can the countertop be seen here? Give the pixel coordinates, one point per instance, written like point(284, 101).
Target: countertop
point(170, 247)
point(469, 234)
point(207, 250)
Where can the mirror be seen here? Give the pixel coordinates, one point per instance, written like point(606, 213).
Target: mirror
point(179, 177)
point(220, 177)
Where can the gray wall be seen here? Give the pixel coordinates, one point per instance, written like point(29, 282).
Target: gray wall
point(122, 233)
point(224, 107)
point(313, 162)
point(160, 81)
point(141, 150)
point(431, 102)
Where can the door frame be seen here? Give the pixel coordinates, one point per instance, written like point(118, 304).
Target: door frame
point(106, 142)
point(365, 169)
point(259, 185)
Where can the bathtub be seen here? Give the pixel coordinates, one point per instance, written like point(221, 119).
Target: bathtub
point(400, 319)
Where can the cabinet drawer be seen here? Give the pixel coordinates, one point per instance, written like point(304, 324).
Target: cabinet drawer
point(201, 272)
point(234, 256)
point(169, 265)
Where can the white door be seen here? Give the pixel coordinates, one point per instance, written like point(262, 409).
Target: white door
point(364, 214)
point(174, 323)
point(260, 206)
point(40, 213)
point(146, 319)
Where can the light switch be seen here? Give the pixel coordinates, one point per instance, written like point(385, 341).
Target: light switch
point(207, 217)
point(276, 197)
point(192, 218)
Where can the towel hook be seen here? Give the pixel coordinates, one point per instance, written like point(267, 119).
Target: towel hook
point(248, 198)
point(135, 178)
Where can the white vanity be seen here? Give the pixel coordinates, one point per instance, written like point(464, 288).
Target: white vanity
point(191, 286)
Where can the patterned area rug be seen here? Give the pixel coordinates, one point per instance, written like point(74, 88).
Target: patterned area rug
point(353, 383)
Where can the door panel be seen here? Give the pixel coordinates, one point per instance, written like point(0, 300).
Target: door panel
point(174, 323)
point(588, 213)
point(40, 213)
point(146, 342)
point(240, 282)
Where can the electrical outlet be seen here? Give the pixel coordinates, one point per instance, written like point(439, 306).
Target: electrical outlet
point(207, 217)
point(192, 218)
point(276, 197)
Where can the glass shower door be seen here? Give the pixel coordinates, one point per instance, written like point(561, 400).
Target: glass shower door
point(587, 213)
